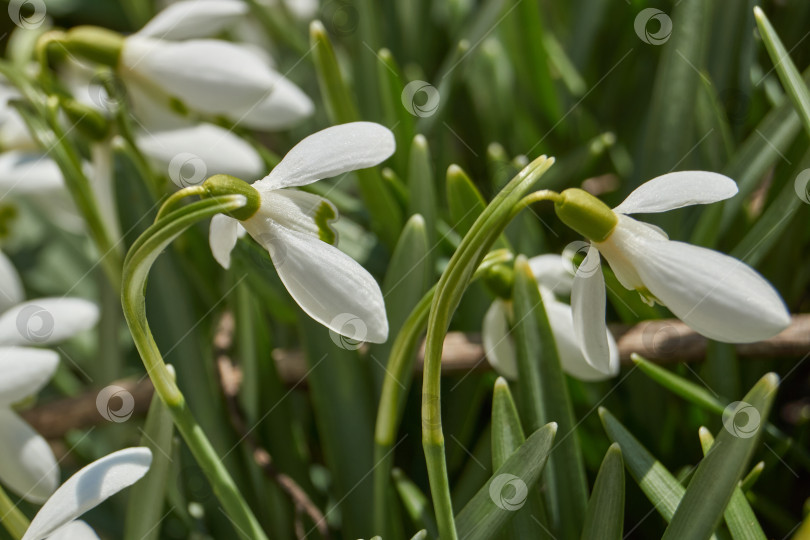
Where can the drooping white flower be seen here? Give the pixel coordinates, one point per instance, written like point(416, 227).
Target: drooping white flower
point(553, 278)
point(205, 148)
point(217, 78)
point(85, 490)
point(194, 19)
point(718, 296)
point(294, 226)
point(28, 466)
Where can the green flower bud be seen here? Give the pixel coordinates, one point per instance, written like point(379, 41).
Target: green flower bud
point(87, 120)
point(96, 44)
point(224, 184)
point(499, 280)
point(586, 214)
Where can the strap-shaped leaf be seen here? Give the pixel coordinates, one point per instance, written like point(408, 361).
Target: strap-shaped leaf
point(495, 503)
point(604, 517)
point(740, 518)
point(720, 470)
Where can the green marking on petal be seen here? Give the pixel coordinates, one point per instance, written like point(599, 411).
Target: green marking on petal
point(325, 214)
point(647, 297)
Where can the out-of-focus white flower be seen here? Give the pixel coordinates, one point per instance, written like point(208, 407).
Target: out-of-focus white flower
point(85, 490)
point(28, 466)
point(553, 278)
point(194, 19)
point(716, 295)
point(218, 150)
point(217, 78)
point(294, 226)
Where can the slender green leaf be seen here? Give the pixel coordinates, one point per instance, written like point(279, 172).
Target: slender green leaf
point(717, 475)
point(507, 436)
point(604, 518)
point(422, 188)
point(506, 491)
point(415, 502)
point(741, 521)
point(657, 483)
point(148, 496)
point(386, 216)
point(544, 397)
point(788, 74)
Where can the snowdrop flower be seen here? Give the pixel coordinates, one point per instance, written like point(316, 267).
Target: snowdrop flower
point(553, 278)
point(209, 76)
point(28, 466)
point(204, 148)
point(194, 18)
point(85, 490)
point(716, 295)
point(294, 226)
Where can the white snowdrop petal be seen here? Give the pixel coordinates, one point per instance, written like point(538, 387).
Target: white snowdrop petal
point(553, 272)
point(561, 319)
point(25, 371)
point(25, 173)
point(284, 105)
point(206, 148)
point(75, 530)
point(300, 211)
point(628, 243)
point(222, 237)
point(208, 75)
point(330, 286)
point(46, 320)
point(11, 288)
point(194, 19)
point(331, 152)
point(497, 341)
point(588, 304)
point(676, 190)
point(88, 488)
point(28, 466)
point(716, 295)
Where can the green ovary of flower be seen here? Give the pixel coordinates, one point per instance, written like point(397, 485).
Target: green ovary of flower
point(586, 214)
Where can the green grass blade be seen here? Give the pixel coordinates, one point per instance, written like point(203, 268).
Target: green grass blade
point(147, 497)
point(788, 74)
point(604, 518)
point(507, 436)
point(717, 475)
point(544, 398)
point(494, 504)
point(416, 504)
point(741, 521)
point(657, 483)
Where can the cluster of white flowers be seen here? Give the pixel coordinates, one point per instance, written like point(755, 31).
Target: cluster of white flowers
point(182, 86)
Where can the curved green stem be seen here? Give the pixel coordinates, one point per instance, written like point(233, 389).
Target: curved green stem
point(452, 284)
point(11, 517)
point(137, 264)
point(397, 381)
